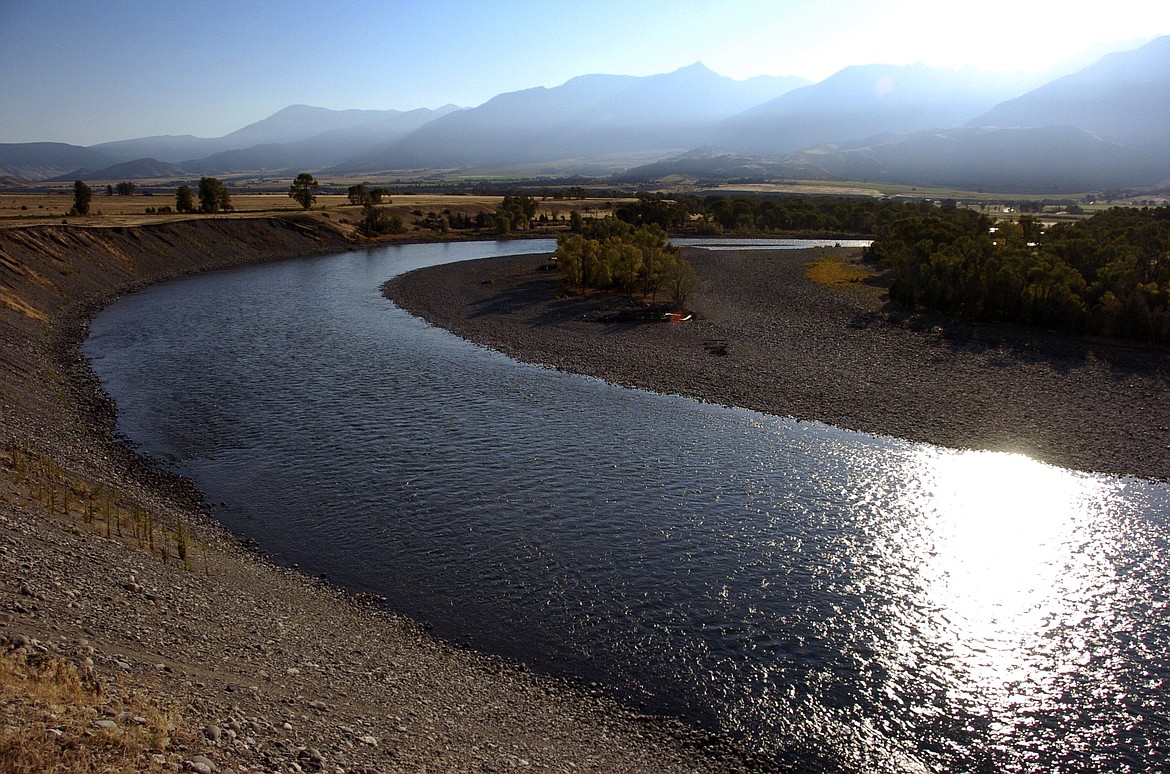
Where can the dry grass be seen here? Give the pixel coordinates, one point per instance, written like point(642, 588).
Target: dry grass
point(101, 510)
point(52, 206)
point(56, 717)
point(837, 272)
point(811, 188)
point(18, 304)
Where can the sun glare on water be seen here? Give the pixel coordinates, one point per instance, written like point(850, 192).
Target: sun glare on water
point(1011, 558)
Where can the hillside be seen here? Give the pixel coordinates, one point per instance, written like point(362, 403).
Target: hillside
point(1124, 97)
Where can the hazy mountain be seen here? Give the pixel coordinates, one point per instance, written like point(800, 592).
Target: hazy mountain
point(171, 148)
point(588, 116)
point(372, 130)
point(1124, 96)
point(496, 130)
point(672, 111)
point(1046, 159)
point(1083, 59)
point(138, 169)
point(302, 122)
point(989, 159)
point(324, 137)
point(44, 160)
point(716, 165)
point(1106, 125)
point(861, 102)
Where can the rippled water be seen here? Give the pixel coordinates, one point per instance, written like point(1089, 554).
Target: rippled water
point(832, 599)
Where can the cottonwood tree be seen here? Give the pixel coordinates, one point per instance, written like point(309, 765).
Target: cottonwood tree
point(376, 222)
point(681, 281)
point(125, 188)
point(303, 190)
point(1108, 275)
point(213, 195)
point(82, 196)
point(614, 255)
point(360, 194)
point(184, 199)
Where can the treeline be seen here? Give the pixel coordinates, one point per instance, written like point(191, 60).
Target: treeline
point(718, 214)
point(1108, 275)
point(613, 255)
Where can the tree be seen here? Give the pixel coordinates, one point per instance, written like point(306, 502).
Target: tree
point(302, 190)
point(375, 221)
point(515, 212)
point(82, 196)
point(359, 194)
point(681, 281)
point(213, 195)
point(626, 262)
point(125, 188)
point(570, 254)
point(184, 199)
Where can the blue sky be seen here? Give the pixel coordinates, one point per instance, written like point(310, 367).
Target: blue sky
point(88, 71)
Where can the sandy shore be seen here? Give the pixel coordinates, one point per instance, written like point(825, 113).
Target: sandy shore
point(768, 339)
point(208, 657)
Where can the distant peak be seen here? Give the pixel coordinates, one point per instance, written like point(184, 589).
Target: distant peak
point(696, 69)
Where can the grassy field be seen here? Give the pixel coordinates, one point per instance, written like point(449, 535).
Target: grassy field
point(22, 209)
point(892, 190)
point(53, 203)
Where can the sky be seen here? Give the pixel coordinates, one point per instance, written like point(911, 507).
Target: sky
point(91, 71)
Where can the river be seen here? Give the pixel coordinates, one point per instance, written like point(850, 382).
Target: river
point(829, 599)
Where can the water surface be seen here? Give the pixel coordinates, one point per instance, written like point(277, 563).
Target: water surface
point(832, 599)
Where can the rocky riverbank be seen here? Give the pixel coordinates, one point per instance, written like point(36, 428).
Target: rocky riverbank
point(767, 338)
point(136, 634)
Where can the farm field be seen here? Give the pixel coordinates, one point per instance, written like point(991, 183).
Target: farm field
point(25, 209)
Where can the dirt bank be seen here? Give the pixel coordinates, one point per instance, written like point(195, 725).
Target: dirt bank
point(768, 339)
point(209, 657)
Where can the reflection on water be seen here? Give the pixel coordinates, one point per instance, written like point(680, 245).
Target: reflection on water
point(1014, 556)
point(1003, 538)
point(834, 600)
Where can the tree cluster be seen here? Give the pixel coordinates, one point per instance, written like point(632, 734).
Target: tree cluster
point(613, 255)
point(360, 194)
point(213, 196)
point(1108, 275)
point(376, 222)
point(516, 211)
point(719, 214)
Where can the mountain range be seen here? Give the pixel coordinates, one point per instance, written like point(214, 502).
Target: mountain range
point(1105, 125)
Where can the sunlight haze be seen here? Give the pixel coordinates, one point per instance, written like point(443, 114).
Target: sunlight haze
point(89, 72)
